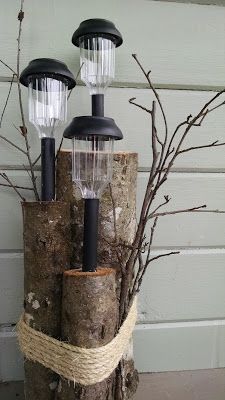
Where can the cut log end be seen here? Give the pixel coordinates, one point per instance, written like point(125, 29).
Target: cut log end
point(79, 273)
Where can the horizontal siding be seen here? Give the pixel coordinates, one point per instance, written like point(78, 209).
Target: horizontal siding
point(134, 123)
point(176, 49)
point(11, 287)
point(177, 347)
point(203, 2)
point(11, 237)
point(167, 281)
point(183, 230)
point(189, 286)
point(11, 360)
point(195, 229)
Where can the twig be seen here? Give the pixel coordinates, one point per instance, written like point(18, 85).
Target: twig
point(154, 91)
point(23, 128)
point(37, 159)
point(162, 255)
point(167, 200)
point(190, 123)
point(7, 99)
point(4, 176)
point(7, 66)
point(131, 101)
point(27, 170)
point(213, 144)
point(13, 144)
point(60, 146)
point(142, 266)
point(186, 210)
point(147, 76)
point(18, 187)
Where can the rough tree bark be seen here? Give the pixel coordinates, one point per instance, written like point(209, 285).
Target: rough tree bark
point(46, 257)
point(117, 225)
point(89, 319)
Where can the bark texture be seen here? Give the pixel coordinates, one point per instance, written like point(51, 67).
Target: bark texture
point(117, 224)
point(46, 257)
point(89, 319)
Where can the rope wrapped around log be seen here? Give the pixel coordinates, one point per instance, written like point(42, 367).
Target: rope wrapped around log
point(77, 364)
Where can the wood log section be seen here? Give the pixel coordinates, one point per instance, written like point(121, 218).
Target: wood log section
point(89, 319)
point(117, 210)
point(46, 256)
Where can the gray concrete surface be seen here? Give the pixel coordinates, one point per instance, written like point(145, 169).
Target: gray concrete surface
point(187, 385)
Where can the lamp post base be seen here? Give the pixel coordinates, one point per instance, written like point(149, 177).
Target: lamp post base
point(47, 169)
point(91, 210)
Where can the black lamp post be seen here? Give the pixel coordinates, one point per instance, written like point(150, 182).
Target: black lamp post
point(93, 137)
point(97, 40)
point(48, 81)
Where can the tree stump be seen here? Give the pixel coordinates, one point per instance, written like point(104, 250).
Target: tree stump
point(46, 257)
point(117, 225)
point(89, 319)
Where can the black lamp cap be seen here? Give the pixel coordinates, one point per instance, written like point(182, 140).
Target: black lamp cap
point(49, 67)
point(99, 27)
point(89, 126)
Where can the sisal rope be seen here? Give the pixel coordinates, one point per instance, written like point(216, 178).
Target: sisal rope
point(81, 365)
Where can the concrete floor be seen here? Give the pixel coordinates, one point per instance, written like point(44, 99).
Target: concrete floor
point(187, 385)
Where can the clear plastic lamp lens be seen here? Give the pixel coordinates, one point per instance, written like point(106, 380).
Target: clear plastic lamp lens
point(47, 104)
point(92, 165)
point(97, 60)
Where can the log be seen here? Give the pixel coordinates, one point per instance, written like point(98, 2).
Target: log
point(89, 319)
point(46, 256)
point(118, 202)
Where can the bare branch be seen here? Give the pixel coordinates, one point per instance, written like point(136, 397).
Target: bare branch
point(7, 99)
point(13, 144)
point(167, 199)
point(163, 255)
point(131, 101)
point(193, 122)
point(28, 172)
point(213, 144)
point(17, 187)
point(186, 210)
point(7, 66)
point(142, 266)
point(36, 161)
point(60, 146)
point(23, 128)
point(4, 176)
point(147, 75)
point(218, 106)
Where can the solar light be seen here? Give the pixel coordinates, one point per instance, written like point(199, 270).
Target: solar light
point(92, 158)
point(97, 40)
point(48, 81)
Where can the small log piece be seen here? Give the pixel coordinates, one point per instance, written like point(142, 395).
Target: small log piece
point(89, 319)
point(117, 225)
point(46, 256)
